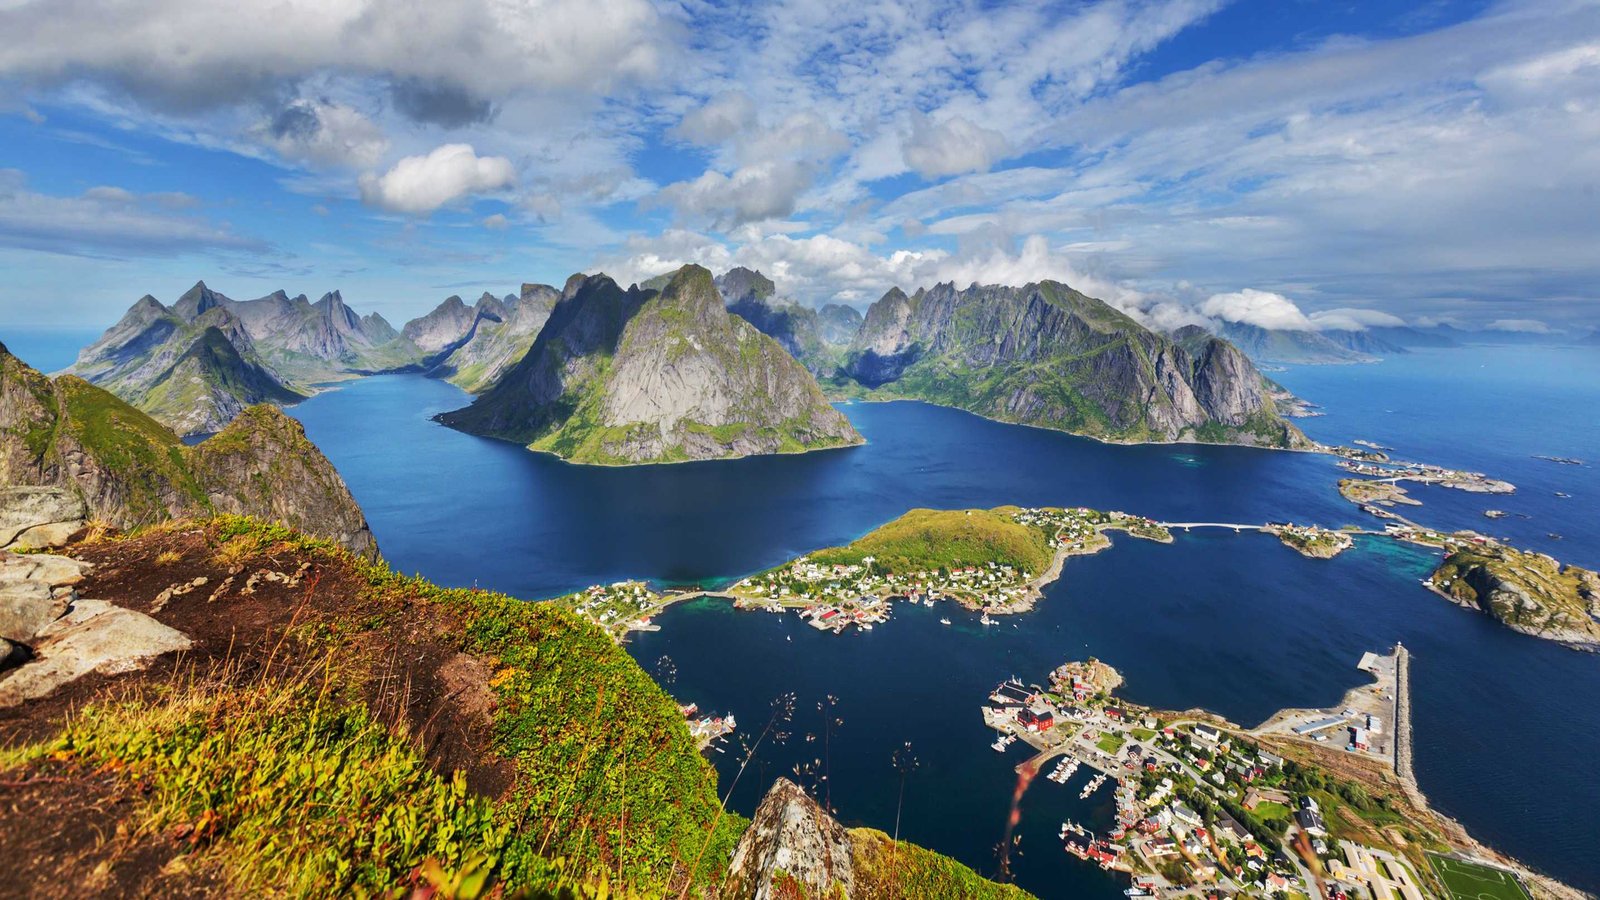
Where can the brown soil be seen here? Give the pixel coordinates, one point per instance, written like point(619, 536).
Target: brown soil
point(62, 826)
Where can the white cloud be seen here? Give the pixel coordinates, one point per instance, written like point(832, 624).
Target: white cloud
point(1352, 319)
point(722, 117)
point(1263, 309)
point(496, 222)
point(422, 184)
point(951, 147)
point(766, 190)
point(108, 221)
point(198, 53)
point(326, 134)
point(1519, 326)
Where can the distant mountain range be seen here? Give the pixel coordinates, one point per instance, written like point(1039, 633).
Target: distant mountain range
point(196, 365)
point(654, 375)
point(672, 369)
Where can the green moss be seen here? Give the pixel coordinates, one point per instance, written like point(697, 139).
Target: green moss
point(143, 455)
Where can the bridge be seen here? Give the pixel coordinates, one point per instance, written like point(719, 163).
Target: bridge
point(1236, 526)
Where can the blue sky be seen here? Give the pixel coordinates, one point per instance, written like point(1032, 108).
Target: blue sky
point(1285, 162)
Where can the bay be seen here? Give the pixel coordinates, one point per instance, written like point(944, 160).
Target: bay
point(1505, 724)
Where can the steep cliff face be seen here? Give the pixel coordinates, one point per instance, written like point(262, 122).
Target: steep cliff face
point(1045, 354)
point(198, 364)
point(263, 465)
point(445, 326)
point(130, 470)
point(643, 376)
point(472, 347)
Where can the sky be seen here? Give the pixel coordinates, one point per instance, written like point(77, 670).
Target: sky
point(1290, 163)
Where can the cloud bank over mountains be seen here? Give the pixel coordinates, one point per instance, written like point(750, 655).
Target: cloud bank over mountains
point(1343, 169)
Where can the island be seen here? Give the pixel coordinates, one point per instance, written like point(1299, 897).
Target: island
point(1528, 592)
point(1313, 540)
point(1381, 493)
point(1203, 805)
point(993, 561)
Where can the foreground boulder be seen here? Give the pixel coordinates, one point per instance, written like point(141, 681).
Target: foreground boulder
point(39, 518)
point(52, 637)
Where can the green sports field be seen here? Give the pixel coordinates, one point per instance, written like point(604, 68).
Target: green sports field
point(1470, 881)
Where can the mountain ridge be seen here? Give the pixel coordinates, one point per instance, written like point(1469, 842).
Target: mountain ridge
point(1046, 354)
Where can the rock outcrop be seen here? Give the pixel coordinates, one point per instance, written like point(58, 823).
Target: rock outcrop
point(792, 843)
point(263, 465)
point(80, 452)
point(1045, 354)
point(52, 637)
point(638, 376)
point(1527, 592)
point(195, 366)
point(39, 518)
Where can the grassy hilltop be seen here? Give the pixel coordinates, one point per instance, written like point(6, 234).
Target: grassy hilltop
point(930, 539)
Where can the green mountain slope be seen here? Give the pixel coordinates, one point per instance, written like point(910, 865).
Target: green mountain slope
point(1045, 354)
point(131, 470)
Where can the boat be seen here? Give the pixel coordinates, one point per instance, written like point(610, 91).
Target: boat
point(1092, 786)
point(944, 621)
point(1003, 742)
point(985, 620)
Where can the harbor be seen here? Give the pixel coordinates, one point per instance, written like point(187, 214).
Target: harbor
point(1205, 808)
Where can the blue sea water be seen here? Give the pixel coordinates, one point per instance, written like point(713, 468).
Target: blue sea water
point(1506, 726)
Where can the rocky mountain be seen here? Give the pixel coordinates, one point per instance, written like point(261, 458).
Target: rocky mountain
point(127, 469)
point(636, 376)
point(198, 364)
point(1301, 347)
point(471, 347)
point(794, 848)
point(838, 323)
point(444, 327)
point(1045, 354)
point(816, 341)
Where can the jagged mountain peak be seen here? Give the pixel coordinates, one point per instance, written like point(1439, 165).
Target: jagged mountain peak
point(742, 284)
point(654, 376)
point(197, 300)
point(576, 281)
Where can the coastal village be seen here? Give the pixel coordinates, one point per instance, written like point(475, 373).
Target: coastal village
point(1205, 809)
point(840, 588)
